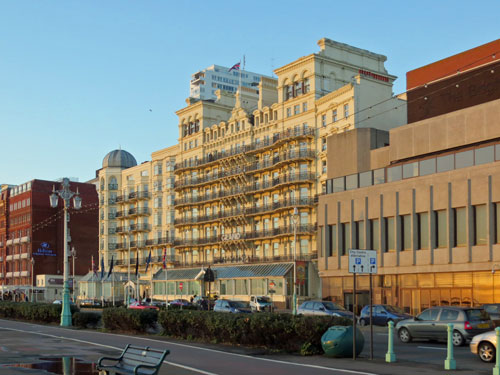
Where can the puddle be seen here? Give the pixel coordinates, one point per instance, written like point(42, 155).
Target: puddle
point(61, 366)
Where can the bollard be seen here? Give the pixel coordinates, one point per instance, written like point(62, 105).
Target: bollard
point(496, 369)
point(450, 363)
point(390, 356)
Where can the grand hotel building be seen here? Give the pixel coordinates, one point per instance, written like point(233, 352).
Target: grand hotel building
point(244, 180)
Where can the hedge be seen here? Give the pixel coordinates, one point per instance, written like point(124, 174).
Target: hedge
point(86, 319)
point(123, 319)
point(274, 331)
point(38, 312)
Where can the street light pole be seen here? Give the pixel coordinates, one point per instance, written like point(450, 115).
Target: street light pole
point(32, 277)
point(295, 219)
point(66, 196)
point(73, 255)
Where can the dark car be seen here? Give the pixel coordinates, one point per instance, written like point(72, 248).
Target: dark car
point(89, 302)
point(494, 310)
point(323, 308)
point(180, 302)
point(225, 305)
point(382, 314)
point(432, 324)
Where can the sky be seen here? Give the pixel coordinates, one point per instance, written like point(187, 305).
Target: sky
point(81, 78)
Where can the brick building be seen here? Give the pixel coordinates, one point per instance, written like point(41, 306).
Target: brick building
point(31, 230)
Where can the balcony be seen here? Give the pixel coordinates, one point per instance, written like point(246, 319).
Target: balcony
point(134, 244)
point(112, 201)
point(9, 257)
point(112, 246)
point(122, 229)
point(112, 215)
point(112, 186)
point(111, 230)
point(25, 239)
point(282, 204)
point(16, 274)
point(2, 275)
point(276, 140)
point(9, 242)
point(25, 273)
point(159, 241)
point(1, 259)
point(24, 256)
point(138, 211)
point(205, 218)
point(9, 274)
point(143, 195)
point(16, 256)
point(139, 227)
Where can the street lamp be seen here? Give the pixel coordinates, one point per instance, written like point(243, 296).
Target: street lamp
point(295, 219)
point(66, 196)
point(32, 276)
point(73, 254)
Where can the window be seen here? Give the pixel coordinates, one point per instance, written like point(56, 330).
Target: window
point(332, 250)
point(334, 115)
point(296, 109)
point(394, 173)
point(374, 233)
point(484, 155)
point(323, 120)
point(360, 235)
point(378, 176)
point(304, 247)
point(430, 314)
point(304, 107)
point(338, 184)
point(410, 170)
point(365, 179)
point(497, 221)
point(346, 110)
point(389, 233)
point(464, 159)
point(441, 228)
point(406, 232)
point(323, 166)
point(298, 88)
point(346, 237)
point(351, 182)
point(447, 314)
point(445, 163)
point(460, 226)
point(288, 112)
point(323, 144)
point(480, 224)
point(306, 86)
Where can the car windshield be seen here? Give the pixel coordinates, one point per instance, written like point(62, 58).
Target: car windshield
point(237, 304)
point(333, 306)
point(394, 309)
point(477, 314)
point(263, 299)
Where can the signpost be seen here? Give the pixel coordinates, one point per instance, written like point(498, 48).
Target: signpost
point(181, 285)
point(209, 278)
point(364, 262)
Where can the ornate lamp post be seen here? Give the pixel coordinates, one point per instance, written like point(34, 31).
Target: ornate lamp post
point(66, 196)
point(295, 218)
point(73, 255)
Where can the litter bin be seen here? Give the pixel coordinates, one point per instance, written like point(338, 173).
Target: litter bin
point(337, 341)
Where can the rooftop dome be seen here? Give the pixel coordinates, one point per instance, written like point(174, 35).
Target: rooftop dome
point(120, 159)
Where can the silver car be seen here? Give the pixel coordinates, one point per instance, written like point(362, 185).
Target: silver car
point(323, 308)
point(485, 346)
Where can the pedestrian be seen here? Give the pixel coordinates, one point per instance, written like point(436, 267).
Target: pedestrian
point(192, 298)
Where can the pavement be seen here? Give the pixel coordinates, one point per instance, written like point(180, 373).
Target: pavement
point(27, 348)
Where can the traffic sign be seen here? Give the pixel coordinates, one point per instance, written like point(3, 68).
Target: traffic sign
point(362, 261)
point(181, 285)
point(272, 285)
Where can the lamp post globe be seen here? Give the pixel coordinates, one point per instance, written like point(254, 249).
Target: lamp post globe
point(65, 194)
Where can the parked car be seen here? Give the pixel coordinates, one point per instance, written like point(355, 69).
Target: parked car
point(382, 314)
point(89, 303)
point(158, 303)
point(324, 308)
point(59, 302)
point(494, 310)
point(485, 346)
point(225, 305)
point(180, 302)
point(141, 306)
point(261, 303)
point(432, 324)
point(203, 303)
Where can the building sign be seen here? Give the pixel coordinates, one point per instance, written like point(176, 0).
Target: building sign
point(231, 237)
point(301, 273)
point(45, 249)
point(373, 75)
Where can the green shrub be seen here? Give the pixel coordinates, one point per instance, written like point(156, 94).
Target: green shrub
point(122, 319)
point(37, 312)
point(86, 319)
point(274, 331)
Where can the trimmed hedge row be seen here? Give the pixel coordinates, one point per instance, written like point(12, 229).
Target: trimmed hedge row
point(38, 312)
point(123, 319)
point(273, 331)
point(86, 319)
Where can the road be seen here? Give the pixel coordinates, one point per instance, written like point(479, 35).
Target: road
point(26, 343)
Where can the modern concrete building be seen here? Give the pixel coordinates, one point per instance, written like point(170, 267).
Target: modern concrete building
point(206, 82)
point(428, 202)
point(33, 232)
point(249, 170)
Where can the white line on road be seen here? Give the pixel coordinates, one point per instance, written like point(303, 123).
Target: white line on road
point(431, 347)
point(199, 348)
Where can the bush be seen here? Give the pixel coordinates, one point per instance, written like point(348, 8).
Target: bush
point(37, 312)
point(273, 331)
point(122, 319)
point(85, 319)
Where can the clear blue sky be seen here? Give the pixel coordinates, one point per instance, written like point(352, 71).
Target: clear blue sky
point(78, 78)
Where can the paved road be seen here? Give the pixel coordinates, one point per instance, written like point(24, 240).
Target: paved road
point(26, 343)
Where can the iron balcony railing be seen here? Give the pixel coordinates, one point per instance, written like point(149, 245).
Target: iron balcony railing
point(287, 134)
point(112, 186)
point(159, 241)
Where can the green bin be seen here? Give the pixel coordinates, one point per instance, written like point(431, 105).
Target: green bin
point(337, 341)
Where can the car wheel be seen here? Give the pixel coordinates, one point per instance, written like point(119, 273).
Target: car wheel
point(404, 335)
point(486, 352)
point(362, 322)
point(458, 339)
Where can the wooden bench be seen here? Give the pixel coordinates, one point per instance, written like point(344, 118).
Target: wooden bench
point(135, 360)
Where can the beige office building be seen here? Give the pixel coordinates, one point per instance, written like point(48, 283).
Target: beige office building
point(250, 168)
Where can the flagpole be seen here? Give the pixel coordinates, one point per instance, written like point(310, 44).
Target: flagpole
point(128, 278)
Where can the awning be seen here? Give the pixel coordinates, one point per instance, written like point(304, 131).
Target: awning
point(227, 272)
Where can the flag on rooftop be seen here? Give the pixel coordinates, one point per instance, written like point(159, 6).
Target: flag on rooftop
point(235, 67)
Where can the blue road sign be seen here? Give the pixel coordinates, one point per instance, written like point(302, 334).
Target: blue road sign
point(357, 261)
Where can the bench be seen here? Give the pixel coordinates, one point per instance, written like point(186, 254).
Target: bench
point(134, 360)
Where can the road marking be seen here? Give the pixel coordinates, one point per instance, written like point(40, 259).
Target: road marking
point(195, 347)
point(431, 347)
